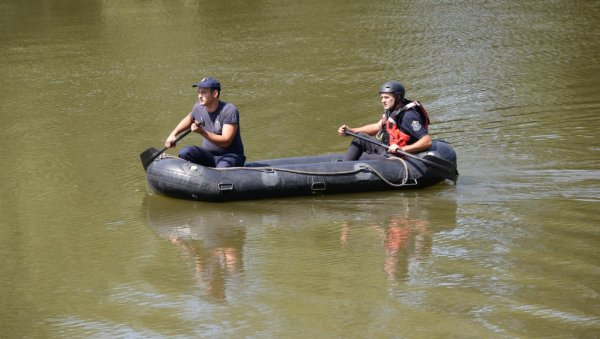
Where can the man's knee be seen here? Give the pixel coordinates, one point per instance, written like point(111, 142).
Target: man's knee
point(187, 153)
point(230, 160)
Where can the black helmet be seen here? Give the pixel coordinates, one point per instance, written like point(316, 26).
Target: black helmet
point(392, 87)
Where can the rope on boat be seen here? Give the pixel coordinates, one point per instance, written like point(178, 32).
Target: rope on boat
point(404, 180)
point(366, 167)
point(264, 169)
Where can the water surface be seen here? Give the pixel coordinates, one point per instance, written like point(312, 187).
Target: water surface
point(510, 251)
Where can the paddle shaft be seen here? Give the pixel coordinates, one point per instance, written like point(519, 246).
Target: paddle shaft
point(179, 137)
point(367, 139)
point(148, 156)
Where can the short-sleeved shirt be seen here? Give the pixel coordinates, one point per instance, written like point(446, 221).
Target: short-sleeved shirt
point(413, 124)
point(225, 114)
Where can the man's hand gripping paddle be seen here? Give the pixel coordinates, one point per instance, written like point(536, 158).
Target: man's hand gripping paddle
point(439, 166)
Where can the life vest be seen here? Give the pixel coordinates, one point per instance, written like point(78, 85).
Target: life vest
point(390, 130)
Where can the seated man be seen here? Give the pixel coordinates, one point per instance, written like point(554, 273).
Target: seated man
point(220, 129)
point(404, 126)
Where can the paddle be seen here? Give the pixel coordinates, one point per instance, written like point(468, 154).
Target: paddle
point(148, 156)
point(152, 153)
point(440, 167)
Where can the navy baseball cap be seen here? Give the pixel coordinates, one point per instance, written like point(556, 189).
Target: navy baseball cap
point(211, 83)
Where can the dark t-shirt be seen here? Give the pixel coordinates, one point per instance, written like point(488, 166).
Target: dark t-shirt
point(413, 124)
point(225, 114)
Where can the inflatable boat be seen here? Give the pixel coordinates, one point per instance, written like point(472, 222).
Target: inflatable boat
point(309, 175)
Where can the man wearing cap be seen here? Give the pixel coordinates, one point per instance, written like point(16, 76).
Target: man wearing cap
point(219, 124)
point(404, 126)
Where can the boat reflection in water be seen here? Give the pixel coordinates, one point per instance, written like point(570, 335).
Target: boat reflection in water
point(214, 237)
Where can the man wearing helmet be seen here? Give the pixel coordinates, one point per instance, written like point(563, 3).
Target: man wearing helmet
point(404, 126)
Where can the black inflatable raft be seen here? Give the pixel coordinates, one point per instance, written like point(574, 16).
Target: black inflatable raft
point(324, 174)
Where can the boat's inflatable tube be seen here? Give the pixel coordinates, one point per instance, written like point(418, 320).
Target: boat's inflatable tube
point(325, 174)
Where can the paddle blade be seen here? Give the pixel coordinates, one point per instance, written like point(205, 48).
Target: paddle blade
point(442, 167)
point(148, 156)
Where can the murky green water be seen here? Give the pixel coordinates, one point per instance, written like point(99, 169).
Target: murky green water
point(511, 251)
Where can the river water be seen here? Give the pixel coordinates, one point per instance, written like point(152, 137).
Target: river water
point(511, 251)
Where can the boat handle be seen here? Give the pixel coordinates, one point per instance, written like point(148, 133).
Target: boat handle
point(225, 187)
point(318, 186)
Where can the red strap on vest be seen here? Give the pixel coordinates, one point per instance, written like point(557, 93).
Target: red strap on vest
point(395, 135)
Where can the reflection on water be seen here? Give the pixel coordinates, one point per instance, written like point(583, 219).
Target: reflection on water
point(406, 235)
point(214, 240)
point(213, 266)
point(511, 251)
point(210, 240)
